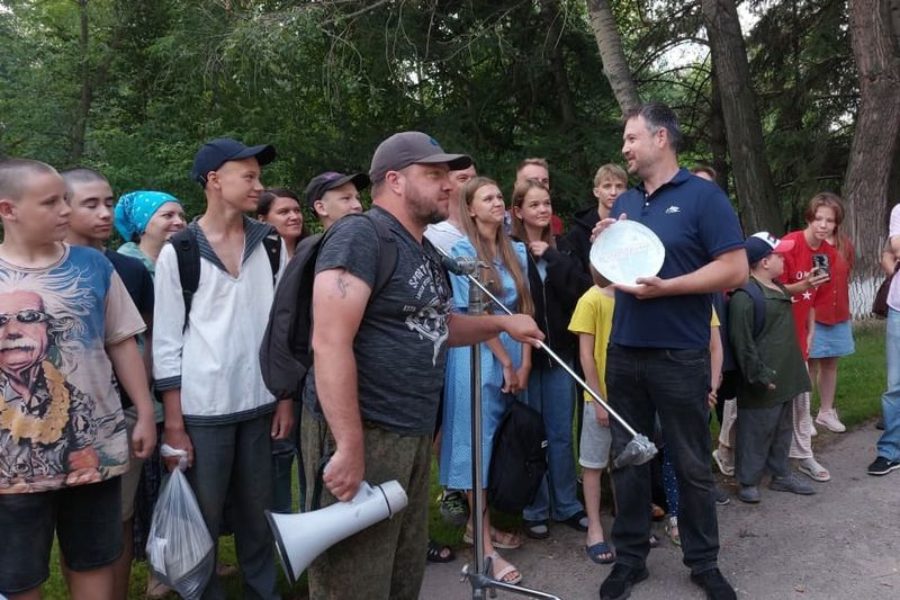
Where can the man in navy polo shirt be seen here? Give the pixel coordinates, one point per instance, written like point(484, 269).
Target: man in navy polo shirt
point(658, 357)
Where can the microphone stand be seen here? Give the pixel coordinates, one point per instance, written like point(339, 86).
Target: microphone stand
point(480, 578)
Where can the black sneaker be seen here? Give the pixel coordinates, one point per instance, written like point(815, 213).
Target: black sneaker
point(883, 466)
point(617, 585)
point(714, 584)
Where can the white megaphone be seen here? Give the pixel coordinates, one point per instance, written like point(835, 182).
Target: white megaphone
point(302, 537)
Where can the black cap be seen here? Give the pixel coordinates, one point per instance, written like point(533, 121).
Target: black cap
point(214, 153)
point(409, 148)
point(329, 180)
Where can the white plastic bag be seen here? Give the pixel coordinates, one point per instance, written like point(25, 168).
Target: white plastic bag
point(180, 549)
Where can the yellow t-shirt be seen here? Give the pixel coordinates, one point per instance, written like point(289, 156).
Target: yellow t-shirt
point(593, 315)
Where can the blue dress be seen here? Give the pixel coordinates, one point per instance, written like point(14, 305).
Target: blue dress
point(456, 439)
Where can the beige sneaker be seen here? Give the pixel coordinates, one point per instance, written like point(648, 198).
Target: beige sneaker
point(829, 420)
point(725, 460)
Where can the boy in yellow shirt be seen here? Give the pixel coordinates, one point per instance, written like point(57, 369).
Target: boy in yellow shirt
point(592, 322)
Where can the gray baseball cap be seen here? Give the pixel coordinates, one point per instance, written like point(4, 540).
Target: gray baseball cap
point(409, 148)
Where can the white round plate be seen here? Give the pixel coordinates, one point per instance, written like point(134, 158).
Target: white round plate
point(627, 250)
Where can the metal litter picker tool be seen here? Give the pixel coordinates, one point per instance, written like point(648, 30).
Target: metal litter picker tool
point(640, 449)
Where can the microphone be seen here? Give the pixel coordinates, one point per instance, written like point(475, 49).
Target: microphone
point(459, 266)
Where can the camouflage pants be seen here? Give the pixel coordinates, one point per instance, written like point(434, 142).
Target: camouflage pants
point(387, 560)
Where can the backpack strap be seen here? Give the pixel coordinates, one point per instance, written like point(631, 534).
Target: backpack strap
point(272, 244)
point(187, 253)
point(752, 289)
point(387, 254)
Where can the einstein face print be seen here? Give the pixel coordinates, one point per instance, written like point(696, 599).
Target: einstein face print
point(60, 416)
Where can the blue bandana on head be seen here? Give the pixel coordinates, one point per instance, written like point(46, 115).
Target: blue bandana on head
point(135, 209)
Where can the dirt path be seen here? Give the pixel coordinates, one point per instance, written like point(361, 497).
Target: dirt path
point(842, 543)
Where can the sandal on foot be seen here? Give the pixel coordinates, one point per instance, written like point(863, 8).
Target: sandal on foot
point(439, 554)
point(504, 573)
point(811, 468)
point(672, 531)
point(505, 540)
point(600, 553)
point(578, 521)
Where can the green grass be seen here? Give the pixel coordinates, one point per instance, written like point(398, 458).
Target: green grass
point(861, 380)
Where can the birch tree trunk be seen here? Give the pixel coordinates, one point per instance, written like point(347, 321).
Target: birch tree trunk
point(609, 42)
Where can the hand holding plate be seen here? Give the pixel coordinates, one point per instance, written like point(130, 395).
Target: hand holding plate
point(602, 224)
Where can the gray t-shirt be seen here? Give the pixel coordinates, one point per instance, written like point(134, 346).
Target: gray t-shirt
point(400, 347)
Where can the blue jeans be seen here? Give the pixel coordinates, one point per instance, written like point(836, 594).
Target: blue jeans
point(551, 392)
point(283, 454)
point(889, 442)
point(642, 382)
point(234, 462)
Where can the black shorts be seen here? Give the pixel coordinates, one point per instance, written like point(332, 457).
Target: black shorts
point(86, 518)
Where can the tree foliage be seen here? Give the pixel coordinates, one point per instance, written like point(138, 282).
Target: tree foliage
point(134, 87)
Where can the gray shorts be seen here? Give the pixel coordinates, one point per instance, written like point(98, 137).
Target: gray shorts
point(595, 440)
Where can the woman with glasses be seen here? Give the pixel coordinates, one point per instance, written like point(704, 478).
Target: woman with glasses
point(505, 363)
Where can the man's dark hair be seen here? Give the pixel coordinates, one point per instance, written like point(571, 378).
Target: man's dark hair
point(77, 175)
point(13, 172)
point(658, 115)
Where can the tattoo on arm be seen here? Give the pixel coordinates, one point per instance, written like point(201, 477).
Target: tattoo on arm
point(342, 285)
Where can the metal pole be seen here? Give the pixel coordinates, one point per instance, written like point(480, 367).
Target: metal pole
point(481, 579)
point(476, 307)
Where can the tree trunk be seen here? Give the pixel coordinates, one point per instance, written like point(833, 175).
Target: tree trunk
point(550, 11)
point(91, 79)
point(615, 67)
point(718, 139)
point(873, 152)
point(79, 126)
point(752, 177)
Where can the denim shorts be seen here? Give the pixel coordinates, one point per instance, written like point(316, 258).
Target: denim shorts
point(86, 518)
point(595, 440)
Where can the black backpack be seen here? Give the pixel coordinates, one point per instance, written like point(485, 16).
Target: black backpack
point(285, 355)
point(518, 460)
point(752, 289)
point(187, 253)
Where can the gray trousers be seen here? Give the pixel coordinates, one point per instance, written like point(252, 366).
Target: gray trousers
point(234, 462)
point(763, 441)
point(387, 560)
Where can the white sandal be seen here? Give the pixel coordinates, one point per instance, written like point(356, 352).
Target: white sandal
point(507, 570)
point(812, 469)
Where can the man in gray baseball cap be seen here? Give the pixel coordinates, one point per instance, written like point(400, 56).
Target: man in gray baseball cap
point(381, 352)
point(412, 147)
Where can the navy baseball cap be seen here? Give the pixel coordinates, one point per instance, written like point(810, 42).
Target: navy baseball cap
point(409, 148)
point(214, 153)
point(762, 244)
point(330, 180)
